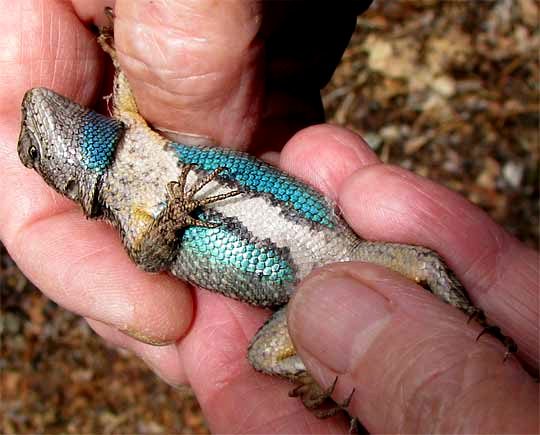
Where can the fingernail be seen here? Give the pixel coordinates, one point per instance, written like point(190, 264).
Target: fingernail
point(145, 338)
point(336, 318)
point(187, 138)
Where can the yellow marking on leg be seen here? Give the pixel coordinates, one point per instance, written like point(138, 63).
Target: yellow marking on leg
point(286, 352)
point(142, 218)
point(142, 215)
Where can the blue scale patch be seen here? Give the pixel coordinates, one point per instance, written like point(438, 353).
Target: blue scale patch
point(259, 177)
point(224, 246)
point(100, 136)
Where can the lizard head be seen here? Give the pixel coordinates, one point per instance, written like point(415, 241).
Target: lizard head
point(70, 146)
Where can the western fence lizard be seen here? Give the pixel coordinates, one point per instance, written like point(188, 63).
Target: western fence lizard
point(217, 218)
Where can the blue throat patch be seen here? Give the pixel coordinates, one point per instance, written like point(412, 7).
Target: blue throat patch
point(258, 176)
point(100, 135)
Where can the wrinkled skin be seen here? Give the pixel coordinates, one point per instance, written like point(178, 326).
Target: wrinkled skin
point(186, 81)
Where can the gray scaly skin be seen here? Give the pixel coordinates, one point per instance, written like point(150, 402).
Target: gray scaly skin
point(214, 217)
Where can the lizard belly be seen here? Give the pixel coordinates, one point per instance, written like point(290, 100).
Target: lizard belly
point(262, 246)
point(258, 253)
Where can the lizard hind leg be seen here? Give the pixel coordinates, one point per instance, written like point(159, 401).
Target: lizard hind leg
point(272, 352)
point(426, 267)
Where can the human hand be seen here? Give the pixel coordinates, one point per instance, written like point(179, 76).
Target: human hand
point(81, 264)
point(414, 362)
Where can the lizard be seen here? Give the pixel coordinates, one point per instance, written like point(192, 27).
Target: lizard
point(217, 218)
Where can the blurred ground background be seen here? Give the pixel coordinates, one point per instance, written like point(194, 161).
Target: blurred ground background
point(449, 90)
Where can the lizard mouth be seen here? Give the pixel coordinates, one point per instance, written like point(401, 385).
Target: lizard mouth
point(85, 194)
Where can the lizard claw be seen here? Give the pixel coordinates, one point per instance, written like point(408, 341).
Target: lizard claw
point(495, 331)
point(108, 11)
point(106, 36)
point(319, 400)
point(181, 202)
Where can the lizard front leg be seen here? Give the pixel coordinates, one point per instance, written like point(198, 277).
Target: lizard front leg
point(124, 103)
point(155, 249)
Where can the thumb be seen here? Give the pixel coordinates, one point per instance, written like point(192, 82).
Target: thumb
point(194, 66)
point(414, 362)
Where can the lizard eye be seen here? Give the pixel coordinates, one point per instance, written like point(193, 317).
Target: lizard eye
point(33, 152)
point(28, 149)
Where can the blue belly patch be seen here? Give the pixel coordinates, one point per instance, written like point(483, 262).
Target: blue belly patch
point(232, 246)
point(257, 176)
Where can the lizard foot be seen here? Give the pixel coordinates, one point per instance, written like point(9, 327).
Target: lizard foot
point(106, 36)
point(181, 202)
point(495, 331)
point(479, 316)
point(317, 399)
point(156, 247)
